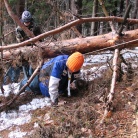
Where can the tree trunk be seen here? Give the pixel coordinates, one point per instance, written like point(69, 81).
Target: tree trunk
point(101, 28)
point(121, 8)
point(1, 23)
point(127, 4)
point(94, 12)
point(20, 7)
point(83, 45)
point(135, 14)
point(114, 12)
point(75, 6)
point(78, 4)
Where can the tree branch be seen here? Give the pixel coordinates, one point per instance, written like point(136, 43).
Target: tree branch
point(23, 88)
point(69, 25)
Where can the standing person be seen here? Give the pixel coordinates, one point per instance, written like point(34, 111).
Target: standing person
point(28, 21)
point(57, 74)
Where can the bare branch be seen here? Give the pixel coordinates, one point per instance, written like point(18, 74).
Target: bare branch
point(23, 88)
point(69, 25)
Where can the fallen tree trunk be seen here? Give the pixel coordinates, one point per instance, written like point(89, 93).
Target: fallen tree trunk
point(84, 45)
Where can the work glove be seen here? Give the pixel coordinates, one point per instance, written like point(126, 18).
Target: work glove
point(55, 103)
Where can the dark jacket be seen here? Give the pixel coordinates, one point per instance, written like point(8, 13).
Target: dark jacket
point(20, 34)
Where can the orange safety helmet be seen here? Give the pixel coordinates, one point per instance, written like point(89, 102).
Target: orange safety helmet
point(75, 61)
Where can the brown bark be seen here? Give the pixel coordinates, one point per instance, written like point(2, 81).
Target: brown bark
point(69, 25)
point(84, 45)
point(135, 14)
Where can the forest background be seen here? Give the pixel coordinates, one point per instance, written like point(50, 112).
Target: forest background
point(53, 14)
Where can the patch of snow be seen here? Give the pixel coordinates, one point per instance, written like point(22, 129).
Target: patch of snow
point(35, 104)
point(16, 134)
point(98, 58)
point(14, 118)
point(35, 125)
point(136, 48)
point(10, 88)
point(93, 73)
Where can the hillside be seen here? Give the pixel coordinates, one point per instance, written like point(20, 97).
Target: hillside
point(79, 116)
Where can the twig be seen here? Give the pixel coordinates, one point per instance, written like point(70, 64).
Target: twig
point(63, 16)
point(124, 21)
point(132, 51)
point(106, 14)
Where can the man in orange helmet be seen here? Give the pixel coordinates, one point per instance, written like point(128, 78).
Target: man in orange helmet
point(57, 74)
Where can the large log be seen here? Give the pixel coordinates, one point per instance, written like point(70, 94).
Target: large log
point(83, 45)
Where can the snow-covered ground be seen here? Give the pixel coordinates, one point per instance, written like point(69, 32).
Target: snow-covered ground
point(14, 118)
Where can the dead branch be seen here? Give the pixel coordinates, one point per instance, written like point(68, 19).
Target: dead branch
point(125, 18)
point(64, 18)
point(114, 76)
point(115, 73)
point(112, 89)
point(132, 51)
point(69, 25)
point(106, 14)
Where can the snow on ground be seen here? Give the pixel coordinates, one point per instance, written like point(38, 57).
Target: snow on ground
point(14, 118)
point(17, 134)
point(14, 87)
point(22, 116)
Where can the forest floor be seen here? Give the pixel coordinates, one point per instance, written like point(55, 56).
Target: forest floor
point(81, 115)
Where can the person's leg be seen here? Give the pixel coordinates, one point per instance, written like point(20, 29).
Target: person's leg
point(44, 89)
point(12, 75)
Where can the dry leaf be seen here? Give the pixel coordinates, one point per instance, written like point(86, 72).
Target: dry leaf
point(129, 89)
point(84, 129)
point(49, 122)
point(46, 117)
point(70, 136)
point(109, 114)
point(62, 103)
